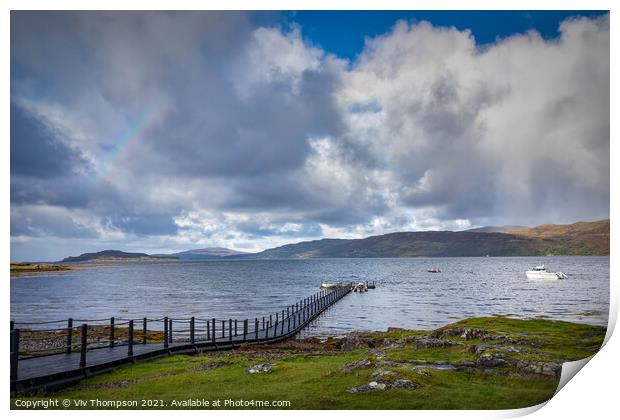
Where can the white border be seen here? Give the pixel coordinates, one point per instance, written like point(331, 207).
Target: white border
point(591, 395)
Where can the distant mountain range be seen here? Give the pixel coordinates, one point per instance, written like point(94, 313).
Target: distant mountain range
point(204, 254)
point(192, 254)
point(582, 238)
point(111, 255)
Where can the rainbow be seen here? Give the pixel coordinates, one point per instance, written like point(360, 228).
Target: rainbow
point(130, 136)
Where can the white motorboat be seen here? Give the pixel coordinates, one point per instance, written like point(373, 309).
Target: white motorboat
point(360, 288)
point(540, 273)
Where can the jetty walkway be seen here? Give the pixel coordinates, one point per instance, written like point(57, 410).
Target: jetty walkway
point(50, 358)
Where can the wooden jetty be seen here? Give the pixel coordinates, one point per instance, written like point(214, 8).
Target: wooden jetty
point(59, 366)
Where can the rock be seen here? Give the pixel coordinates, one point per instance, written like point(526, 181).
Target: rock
point(463, 332)
point(436, 366)
point(381, 373)
point(539, 368)
point(404, 383)
point(427, 342)
point(373, 342)
point(359, 389)
point(367, 387)
point(379, 355)
point(332, 343)
point(352, 343)
point(260, 368)
point(377, 385)
point(392, 343)
point(390, 363)
point(358, 364)
point(395, 329)
point(552, 369)
point(471, 333)
point(465, 363)
point(481, 348)
point(381, 386)
point(421, 371)
point(490, 360)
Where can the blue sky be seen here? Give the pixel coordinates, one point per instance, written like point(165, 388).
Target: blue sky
point(343, 32)
point(165, 131)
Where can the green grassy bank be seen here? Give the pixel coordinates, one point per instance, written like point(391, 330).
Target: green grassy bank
point(478, 363)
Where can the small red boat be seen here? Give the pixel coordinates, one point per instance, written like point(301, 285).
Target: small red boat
point(434, 270)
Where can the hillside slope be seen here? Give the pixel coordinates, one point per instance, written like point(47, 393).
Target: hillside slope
point(583, 238)
point(113, 255)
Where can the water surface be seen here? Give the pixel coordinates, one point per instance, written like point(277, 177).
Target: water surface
point(406, 295)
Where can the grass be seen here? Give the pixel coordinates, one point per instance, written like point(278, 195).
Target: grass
point(312, 377)
point(32, 268)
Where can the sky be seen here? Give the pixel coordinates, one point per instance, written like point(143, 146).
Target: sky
point(165, 131)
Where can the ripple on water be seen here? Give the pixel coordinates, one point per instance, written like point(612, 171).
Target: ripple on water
point(406, 294)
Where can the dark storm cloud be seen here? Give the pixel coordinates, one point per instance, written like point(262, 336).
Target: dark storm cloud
point(218, 134)
point(36, 150)
point(214, 124)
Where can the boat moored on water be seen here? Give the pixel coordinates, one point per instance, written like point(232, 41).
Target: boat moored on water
point(434, 270)
point(540, 273)
point(360, 288)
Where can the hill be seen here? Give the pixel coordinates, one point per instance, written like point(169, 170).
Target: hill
point(207, 253)
point(113, 255)
point(583, 238)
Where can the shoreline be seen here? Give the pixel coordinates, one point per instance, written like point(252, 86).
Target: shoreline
point(28, 269)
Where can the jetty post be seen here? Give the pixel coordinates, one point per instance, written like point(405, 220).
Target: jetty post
point(84, 343)
point(144, 329)
point(230, 336)
point(165, 332)
point(69, 334)
point(112, 332)
point(192, 337)
point(14, 352)
point(130, 339)
point(256, 328)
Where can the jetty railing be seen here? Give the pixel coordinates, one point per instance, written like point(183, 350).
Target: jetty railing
point(32, 341)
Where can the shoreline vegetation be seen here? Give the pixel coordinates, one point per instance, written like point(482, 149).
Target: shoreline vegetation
point(37, 268)
point(25, 268)
point(476, 363)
